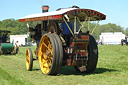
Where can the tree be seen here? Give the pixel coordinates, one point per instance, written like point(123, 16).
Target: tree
point(126, 31)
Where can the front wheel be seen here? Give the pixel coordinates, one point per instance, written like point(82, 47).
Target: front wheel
point(29, 59)
point(50, 54)
point(14, 50)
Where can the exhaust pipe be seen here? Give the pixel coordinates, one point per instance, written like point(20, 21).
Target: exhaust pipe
point(45, 8)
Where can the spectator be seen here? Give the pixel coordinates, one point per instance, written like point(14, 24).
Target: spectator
point(17, 46)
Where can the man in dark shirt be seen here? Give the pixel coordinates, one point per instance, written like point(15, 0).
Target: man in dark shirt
point(66, 31)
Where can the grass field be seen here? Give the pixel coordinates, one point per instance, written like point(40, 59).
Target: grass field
point(112, 69)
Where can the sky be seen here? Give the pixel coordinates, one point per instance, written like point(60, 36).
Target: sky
point(116, 11)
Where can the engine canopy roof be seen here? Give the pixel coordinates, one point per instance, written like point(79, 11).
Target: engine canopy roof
point(82, 14)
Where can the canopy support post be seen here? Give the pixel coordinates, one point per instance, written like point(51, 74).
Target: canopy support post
point(95, 27)
point(88, 23)
point(75, 26)
point(82, 25)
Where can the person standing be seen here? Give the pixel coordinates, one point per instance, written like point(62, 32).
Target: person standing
point(17, 46)
point(65, 30)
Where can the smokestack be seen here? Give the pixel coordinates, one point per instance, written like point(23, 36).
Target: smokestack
point(45, 8)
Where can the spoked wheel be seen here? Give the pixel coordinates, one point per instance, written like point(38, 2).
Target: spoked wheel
point(50, 54)
point(14, 50)
point(92, 56)
point(29, 59)
point(53, 27)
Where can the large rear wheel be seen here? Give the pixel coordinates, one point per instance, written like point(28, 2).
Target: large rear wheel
point(50, 54)
point(53, 27)
point(92, 56)
point(29, 59)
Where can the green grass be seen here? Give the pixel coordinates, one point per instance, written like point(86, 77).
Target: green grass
point(112, 69)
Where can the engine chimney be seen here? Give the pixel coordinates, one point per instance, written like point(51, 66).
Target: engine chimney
point(45, 8)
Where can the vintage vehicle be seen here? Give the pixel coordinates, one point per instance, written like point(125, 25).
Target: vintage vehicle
point(5, 46)
point(52, 51)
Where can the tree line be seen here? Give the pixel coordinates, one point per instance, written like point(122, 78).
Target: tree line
point(18, 28)
point(14, 26)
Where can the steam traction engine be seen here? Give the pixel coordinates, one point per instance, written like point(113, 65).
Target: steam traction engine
point(51, 50)
point(5, 46)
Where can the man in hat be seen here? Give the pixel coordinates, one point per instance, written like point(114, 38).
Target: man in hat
point(66, 31)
